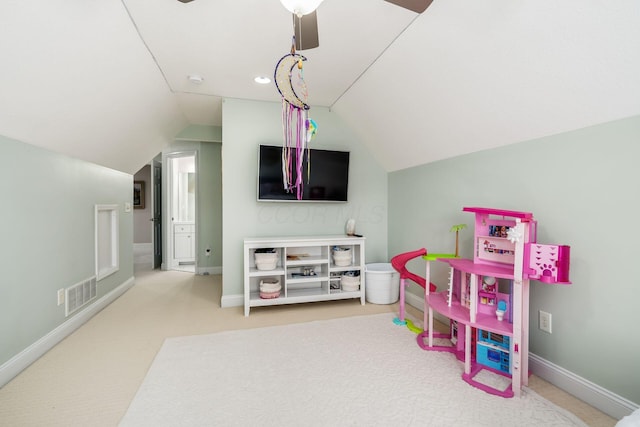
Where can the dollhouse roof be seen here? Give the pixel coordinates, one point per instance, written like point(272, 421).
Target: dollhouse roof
point(499, 212)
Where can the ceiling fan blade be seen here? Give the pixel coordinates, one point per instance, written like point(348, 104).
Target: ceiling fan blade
point(417, 6)
point(185, 1)
point(305, 28)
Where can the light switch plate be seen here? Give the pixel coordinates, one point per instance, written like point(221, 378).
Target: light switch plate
point(127, 206)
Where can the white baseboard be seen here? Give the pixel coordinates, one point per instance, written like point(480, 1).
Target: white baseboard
point(209, 270)
point(606, 401)
point(232, 301)
point(26, 357)
point(596, 396)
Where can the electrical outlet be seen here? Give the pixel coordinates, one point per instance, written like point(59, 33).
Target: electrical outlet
point(544, 321)
point(60, 296)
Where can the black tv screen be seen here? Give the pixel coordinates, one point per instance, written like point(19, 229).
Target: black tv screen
point(327, 181)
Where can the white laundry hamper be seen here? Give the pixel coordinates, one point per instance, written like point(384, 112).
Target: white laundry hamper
point(382, 283)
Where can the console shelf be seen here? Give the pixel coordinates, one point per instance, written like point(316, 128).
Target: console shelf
point(305, 269)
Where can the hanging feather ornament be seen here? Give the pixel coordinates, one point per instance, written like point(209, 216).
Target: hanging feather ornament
point(297, 128)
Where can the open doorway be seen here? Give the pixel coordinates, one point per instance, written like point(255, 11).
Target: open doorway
point(156, 219)
point(182, 206)
point(142, 212)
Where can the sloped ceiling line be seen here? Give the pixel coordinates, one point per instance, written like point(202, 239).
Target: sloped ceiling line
point(373, 62)
point(82, 77)
point(155, 60)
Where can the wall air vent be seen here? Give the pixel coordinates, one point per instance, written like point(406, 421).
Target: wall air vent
point(79, 295)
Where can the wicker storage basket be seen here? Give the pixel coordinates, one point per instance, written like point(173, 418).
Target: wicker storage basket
point(341, 256)
point(266, 259)
point(349, 283)
point(270, 288)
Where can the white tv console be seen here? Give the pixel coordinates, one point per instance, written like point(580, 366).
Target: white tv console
point(295, 255)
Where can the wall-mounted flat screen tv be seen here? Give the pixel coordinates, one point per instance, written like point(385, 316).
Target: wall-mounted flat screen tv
point(328, 176)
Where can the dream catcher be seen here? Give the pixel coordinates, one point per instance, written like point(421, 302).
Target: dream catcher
point(297, 127)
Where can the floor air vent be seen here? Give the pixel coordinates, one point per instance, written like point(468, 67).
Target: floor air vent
point(78, 295)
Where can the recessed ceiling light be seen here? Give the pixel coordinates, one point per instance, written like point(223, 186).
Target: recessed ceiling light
point(194, 78)
point(262, 80)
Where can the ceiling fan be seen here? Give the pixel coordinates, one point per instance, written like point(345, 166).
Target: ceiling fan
point(305, 25)
point(305, 20)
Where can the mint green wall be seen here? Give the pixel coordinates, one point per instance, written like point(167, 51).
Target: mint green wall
point(209, 140)
point(47, 237)
point(582, 187)
point(246, 125)
point(210, 204)
point(200, 133)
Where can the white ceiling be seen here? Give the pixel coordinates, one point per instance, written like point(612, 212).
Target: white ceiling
point(106, 80)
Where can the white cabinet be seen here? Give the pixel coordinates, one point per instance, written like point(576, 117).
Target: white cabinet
point(305, 269)
point(184, 242)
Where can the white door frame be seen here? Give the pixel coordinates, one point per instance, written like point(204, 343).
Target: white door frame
point(168, 261)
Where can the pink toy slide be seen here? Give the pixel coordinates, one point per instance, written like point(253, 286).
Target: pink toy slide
point(399, 263)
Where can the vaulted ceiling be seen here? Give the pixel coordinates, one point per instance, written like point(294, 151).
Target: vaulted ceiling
point(107, 80)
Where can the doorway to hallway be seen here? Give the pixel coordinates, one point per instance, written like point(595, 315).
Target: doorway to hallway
point(181, 204)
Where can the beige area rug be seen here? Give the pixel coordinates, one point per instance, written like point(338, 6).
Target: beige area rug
point(356, 371)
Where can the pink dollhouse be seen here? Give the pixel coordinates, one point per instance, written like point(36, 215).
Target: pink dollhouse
point(487, 298)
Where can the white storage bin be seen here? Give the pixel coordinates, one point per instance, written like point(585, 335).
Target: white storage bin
point(382, 284)
point(266, 260)
point(341, 256)
point(350, 283)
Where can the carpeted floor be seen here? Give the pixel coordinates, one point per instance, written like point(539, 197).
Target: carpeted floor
point(356, 371)
point(91, 377)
